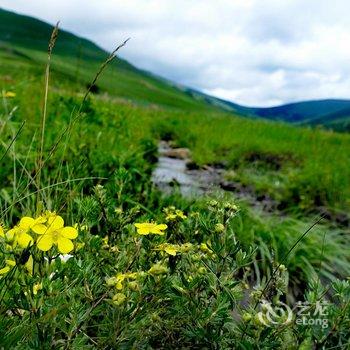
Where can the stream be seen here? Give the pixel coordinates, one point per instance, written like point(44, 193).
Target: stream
point(175, 171)
point(172, 172)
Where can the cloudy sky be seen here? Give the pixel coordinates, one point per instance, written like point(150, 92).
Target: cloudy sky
point(257, 53)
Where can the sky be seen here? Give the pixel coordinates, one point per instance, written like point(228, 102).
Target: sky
point(252, 52)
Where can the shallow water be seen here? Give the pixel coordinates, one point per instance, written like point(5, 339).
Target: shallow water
point(172, 173)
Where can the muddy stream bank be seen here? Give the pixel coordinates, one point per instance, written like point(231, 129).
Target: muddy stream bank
point(175, 170)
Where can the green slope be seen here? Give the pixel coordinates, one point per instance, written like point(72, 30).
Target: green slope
point(338, 121)
point(78, 59)
point(24, 40)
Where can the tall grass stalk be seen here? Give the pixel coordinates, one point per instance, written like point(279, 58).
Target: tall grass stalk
point(66, 130)
point(52, 43)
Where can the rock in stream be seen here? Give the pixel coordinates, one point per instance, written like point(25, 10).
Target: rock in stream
point(172, 172)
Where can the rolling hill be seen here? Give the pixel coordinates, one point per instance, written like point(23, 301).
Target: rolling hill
point(304, 112)
point(23, 37)
point(327, 112)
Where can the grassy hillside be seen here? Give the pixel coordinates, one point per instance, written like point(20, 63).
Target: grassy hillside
point(199, 281)
point(338, 121)
point(78, 59)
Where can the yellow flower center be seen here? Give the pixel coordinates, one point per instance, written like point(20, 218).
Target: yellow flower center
point(55, 236)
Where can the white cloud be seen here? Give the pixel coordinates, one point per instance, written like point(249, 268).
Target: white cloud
point(249, 51)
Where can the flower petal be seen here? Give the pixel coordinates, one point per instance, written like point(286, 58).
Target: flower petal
point(55, 222)
point(119, 298)
point(4, 270)
point(11, 263)
point(24, 240)
point(44, 242)
point(26, 222)
point(170, 250)
point(158, 229)
point(69, 232)
point(143, 231)
point(40, 229)
point(158, 232)
point(10, 235)
point(65, 245)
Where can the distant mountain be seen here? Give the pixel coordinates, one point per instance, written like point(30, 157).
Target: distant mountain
point(338, 121)
point(78, 59)
point(303, 111)
point(330, 113)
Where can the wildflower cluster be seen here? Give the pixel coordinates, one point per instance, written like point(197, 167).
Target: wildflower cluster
point(172, 214)
point(123, 282)
point(147, 228)
point(173, 249)
point(45, 231)
point(42, 232)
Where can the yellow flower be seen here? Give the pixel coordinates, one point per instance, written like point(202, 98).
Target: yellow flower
point(19, 234)
point(230, 206)
point(186, 247)
point(180, 214)
point(37, 287)
point(170, 217)
point(173, 214)
point(201, 270)
point(9, 265)
point(204, 248)
point(112, 281)
point(9, 94)
point(158, 269)
point(219, 228)
point(56, 233)
point(119, 299)
point(2, 231)
point(133, 285)
point(119, 278)
point(171, 249)
point(148, 227)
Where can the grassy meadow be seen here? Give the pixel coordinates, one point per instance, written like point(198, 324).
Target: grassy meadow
point(148, 270)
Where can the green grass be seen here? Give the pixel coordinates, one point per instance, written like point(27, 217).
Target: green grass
point(313, 164)
point(99, 177)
